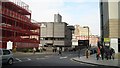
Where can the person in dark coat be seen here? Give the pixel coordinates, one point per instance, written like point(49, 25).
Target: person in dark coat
point(112, 53)
point(107, 53)
point(60, 52)
point(102, 52)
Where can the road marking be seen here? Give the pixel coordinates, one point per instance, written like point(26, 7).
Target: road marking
point(28, 59)
point(40, 58)
point(63, 57)
point(18, 59)
point(46, 56)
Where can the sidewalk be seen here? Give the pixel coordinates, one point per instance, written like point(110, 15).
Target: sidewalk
point(92, 60)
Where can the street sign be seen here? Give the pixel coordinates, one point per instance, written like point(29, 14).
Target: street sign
point(9, 45)
point(106, 39)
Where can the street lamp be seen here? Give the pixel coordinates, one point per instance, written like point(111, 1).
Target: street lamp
point(88, 34)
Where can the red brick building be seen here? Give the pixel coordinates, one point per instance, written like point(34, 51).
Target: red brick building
point(16, 25)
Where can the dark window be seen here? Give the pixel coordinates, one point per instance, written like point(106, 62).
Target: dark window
point(119, 45)
point(6, 52)
point(0, 52)
point(46, 38)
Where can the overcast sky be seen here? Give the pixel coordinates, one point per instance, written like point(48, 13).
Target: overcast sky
point(81, 12)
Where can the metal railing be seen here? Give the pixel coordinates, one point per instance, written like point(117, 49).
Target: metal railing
point(14, 28)
point(16, 15)
point(19, 3)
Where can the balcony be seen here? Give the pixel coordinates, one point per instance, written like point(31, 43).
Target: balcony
point(15, 15)
point(19, 39)
point(20, 17)
point(17, 5)
point(18, 29)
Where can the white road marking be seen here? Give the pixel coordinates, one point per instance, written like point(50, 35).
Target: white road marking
point(28, 59)
point(40, 58)
point(18, 59)
point(46, 56)
point(63, 57)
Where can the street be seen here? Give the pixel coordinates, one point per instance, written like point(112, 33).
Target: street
point(47, 60)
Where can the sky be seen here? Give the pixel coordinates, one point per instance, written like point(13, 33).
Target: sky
point(74, 12)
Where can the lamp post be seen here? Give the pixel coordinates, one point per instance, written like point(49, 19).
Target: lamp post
point(88, 34)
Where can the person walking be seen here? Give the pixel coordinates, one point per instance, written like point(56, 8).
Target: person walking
point(102, 52)
point(112, 53)
point(79, 53)
point(34, 50)
point(98, 53)
point(107, 53)
point(87, 53)
point(60, 52)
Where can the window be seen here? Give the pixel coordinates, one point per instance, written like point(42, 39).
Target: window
point(6, 52)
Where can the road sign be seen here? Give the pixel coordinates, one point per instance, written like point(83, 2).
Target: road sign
point(106, 39)
point(9, 45)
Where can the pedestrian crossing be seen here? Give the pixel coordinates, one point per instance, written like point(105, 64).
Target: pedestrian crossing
point(24, 59)
point(16, 60)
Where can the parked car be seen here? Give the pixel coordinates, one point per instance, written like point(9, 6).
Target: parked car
point(7, 56)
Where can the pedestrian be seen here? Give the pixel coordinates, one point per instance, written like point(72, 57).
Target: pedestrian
point(39, 48)
point(107, 54)
point(87, 53)
point(60, 52)
point(98, 53)
point(55, 49)
point(34, 50)
point(112, 53)
point(79, 53)
point(102, 52)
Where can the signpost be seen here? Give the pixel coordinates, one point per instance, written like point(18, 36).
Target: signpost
point(107, 41)
point(9, 45)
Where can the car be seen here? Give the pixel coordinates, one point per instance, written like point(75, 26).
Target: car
point(7, 56)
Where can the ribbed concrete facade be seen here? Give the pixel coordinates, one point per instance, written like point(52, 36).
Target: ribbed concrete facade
point(56, 34)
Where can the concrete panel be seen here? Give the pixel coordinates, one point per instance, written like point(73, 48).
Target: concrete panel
point(113, 10)
point(113, 28)
point(59, 43)
point(49, 29)
point(114, 44)
point(59, 29)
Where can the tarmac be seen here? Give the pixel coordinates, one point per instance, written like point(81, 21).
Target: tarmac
point(92, 60)
point(30, 53)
